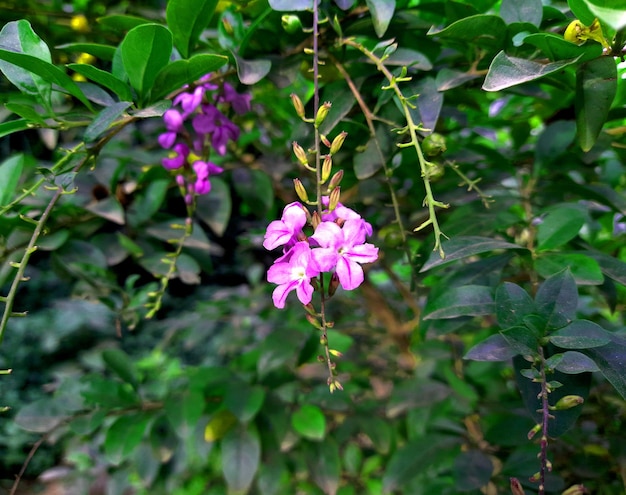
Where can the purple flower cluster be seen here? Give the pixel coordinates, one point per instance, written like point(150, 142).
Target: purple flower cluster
point(190, 151)
point(337, 245)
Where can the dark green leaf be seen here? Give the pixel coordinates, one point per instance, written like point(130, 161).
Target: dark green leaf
point(120, 363)
point(513, 304)
point(557, 299)
point(506, 71)
point(611, 359)
point(183, 411)
point(123, 436)
point(560, 225)
point(369, 161)
point(483, 30)
point(255, 188)
point(252, 71)
point(378, 431)
point(12, 126)
point(241, 454)
point(109, 208)
point(145, 51)
point(596, 86)
point(472, 470)
point(10, 173)
point(573, 362)
point(493, 348)
point(309, 422)
point(103, 52)
point(522, 339)
point(527, 11)
point(580, 334)
point(244, 401)
point(41, 416)
point(28, 112)
point(343, 101)
point(325, 465)
point(611, 267)
point(554, 140)
point(176, 74)
point(382, 12)
point(103, 121)
point(581, 11)
point(610, 12)
point(103, 78)
point(469, 300)
point(557, 48)
point(429, 102)
point(121, 23)
point(464, 246)
point(585, 269)
point(215, 209)
point(187, 19)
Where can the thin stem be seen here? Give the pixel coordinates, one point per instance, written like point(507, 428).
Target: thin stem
point(545, 416)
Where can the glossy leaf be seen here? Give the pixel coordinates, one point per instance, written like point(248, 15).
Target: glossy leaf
point(291, 5)
point(309, 422)
point(124, 435)
point(103, 78)
point(557, 48)
point(596, 86)
point(557, 299)
point(19, 37)
point(12, 126)
point(121, 364)
point(522, 339)
point(103, 121)
point(429, 102)
point(610, 12)
point(251, 71)
point(28, 112)
point(325, 465)
point(527, 11)
point(103, 52)
point(493, 348)
point(581, 11)
point(573, 362)
point(611, 267)
point(506, 71)
point(580, 334)
point(463, 246)
point(145, 51)
point(513, 304)
point(381, 12)
point(180, 72)
point(559, 226)
point(585, 269)
point(10, 173)
point(611, 359)
point(468, 300)
point(187, 19)
point(483, 30)
point(241, 455)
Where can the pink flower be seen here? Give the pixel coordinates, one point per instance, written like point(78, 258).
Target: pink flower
point(203, 171)
point(286, 230)
point(343, 249)
point(293, 273)
point(177, 158)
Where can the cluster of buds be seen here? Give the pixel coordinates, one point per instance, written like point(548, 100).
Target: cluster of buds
point(336, 242)
point(209, 130)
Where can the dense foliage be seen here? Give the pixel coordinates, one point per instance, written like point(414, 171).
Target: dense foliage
point(272, 247)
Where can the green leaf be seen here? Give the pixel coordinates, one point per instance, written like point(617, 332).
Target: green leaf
point(103, 52)
point(109, 208)
point(103, 78)
point(325, 465)
point(309, 422)
point(554, 141)
point(585, 269)
point(580, 334)
point(251, 71)
point(573, 384)
point(513, 304)
point(241, 455)
point(573, 362)
point(176, 74)
point(120, 363)
point(596, 87)
point(368, 162)
point(19, 37)
point(469, 300)
point(244, 401)
point(557, 299)
point(464, 246)
point(123, 436)
point(183, 411)
point(484, 30)
point(187, 19)
point(581, 11)
point(215, 209)
point(611, 359)
point(103, 121)
point(10, 173)
point(28, 112)
point(611, 267)
point(255, 188)
point(472, 470)
point(121, 23)
point(610, 12)
point(145, 51)
point(557, 48)
point(148, 202)
point(12, 126)
point(382, 13)
point(522, 339)
point(493, 348)
point(41, 415)
point(46, 71)
point(429, 102)
point(527, 11)
point(291, 5)
point(506, 71)
point(559, 226)
point(219, 424)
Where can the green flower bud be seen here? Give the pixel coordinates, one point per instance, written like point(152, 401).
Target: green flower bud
point(338, 142)
point(327, 168)
point(300, 190)
point(300, 154)
point(434, 144)
point(335, 180)
point(291, 23)
point(567, 402)
point(322, 113)
point(333, 200)
point(298, 105)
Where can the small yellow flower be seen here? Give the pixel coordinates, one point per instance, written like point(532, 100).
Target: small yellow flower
point(79, 23)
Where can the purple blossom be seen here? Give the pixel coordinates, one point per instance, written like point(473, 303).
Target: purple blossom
point(239, 102)
point(286, 230)
point(177, 157)
point(189, 102)
point(212, 121)
point(203, 171)
point(343, 249)
point(294, 273)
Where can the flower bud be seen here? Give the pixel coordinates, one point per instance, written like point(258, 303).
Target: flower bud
point(434, 144)
point(327, 167)
point(313, 321)
point(567, 402)
point(534, 430)
point(535, 477)
point(300, 190)
point(180, 180)
point(322, 113)
point(575, 490)
point(516, 487)
point(325, 141)
point(323, 341)
point(298, 105)
point(300, 154)
point(332, 286)
point(315, 220)
point(291, 23)
point(333, 199)
point(338, 142)
point(335, 180)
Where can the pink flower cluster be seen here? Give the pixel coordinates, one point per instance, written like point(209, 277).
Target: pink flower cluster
point(211, 130)
point(337, 245)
